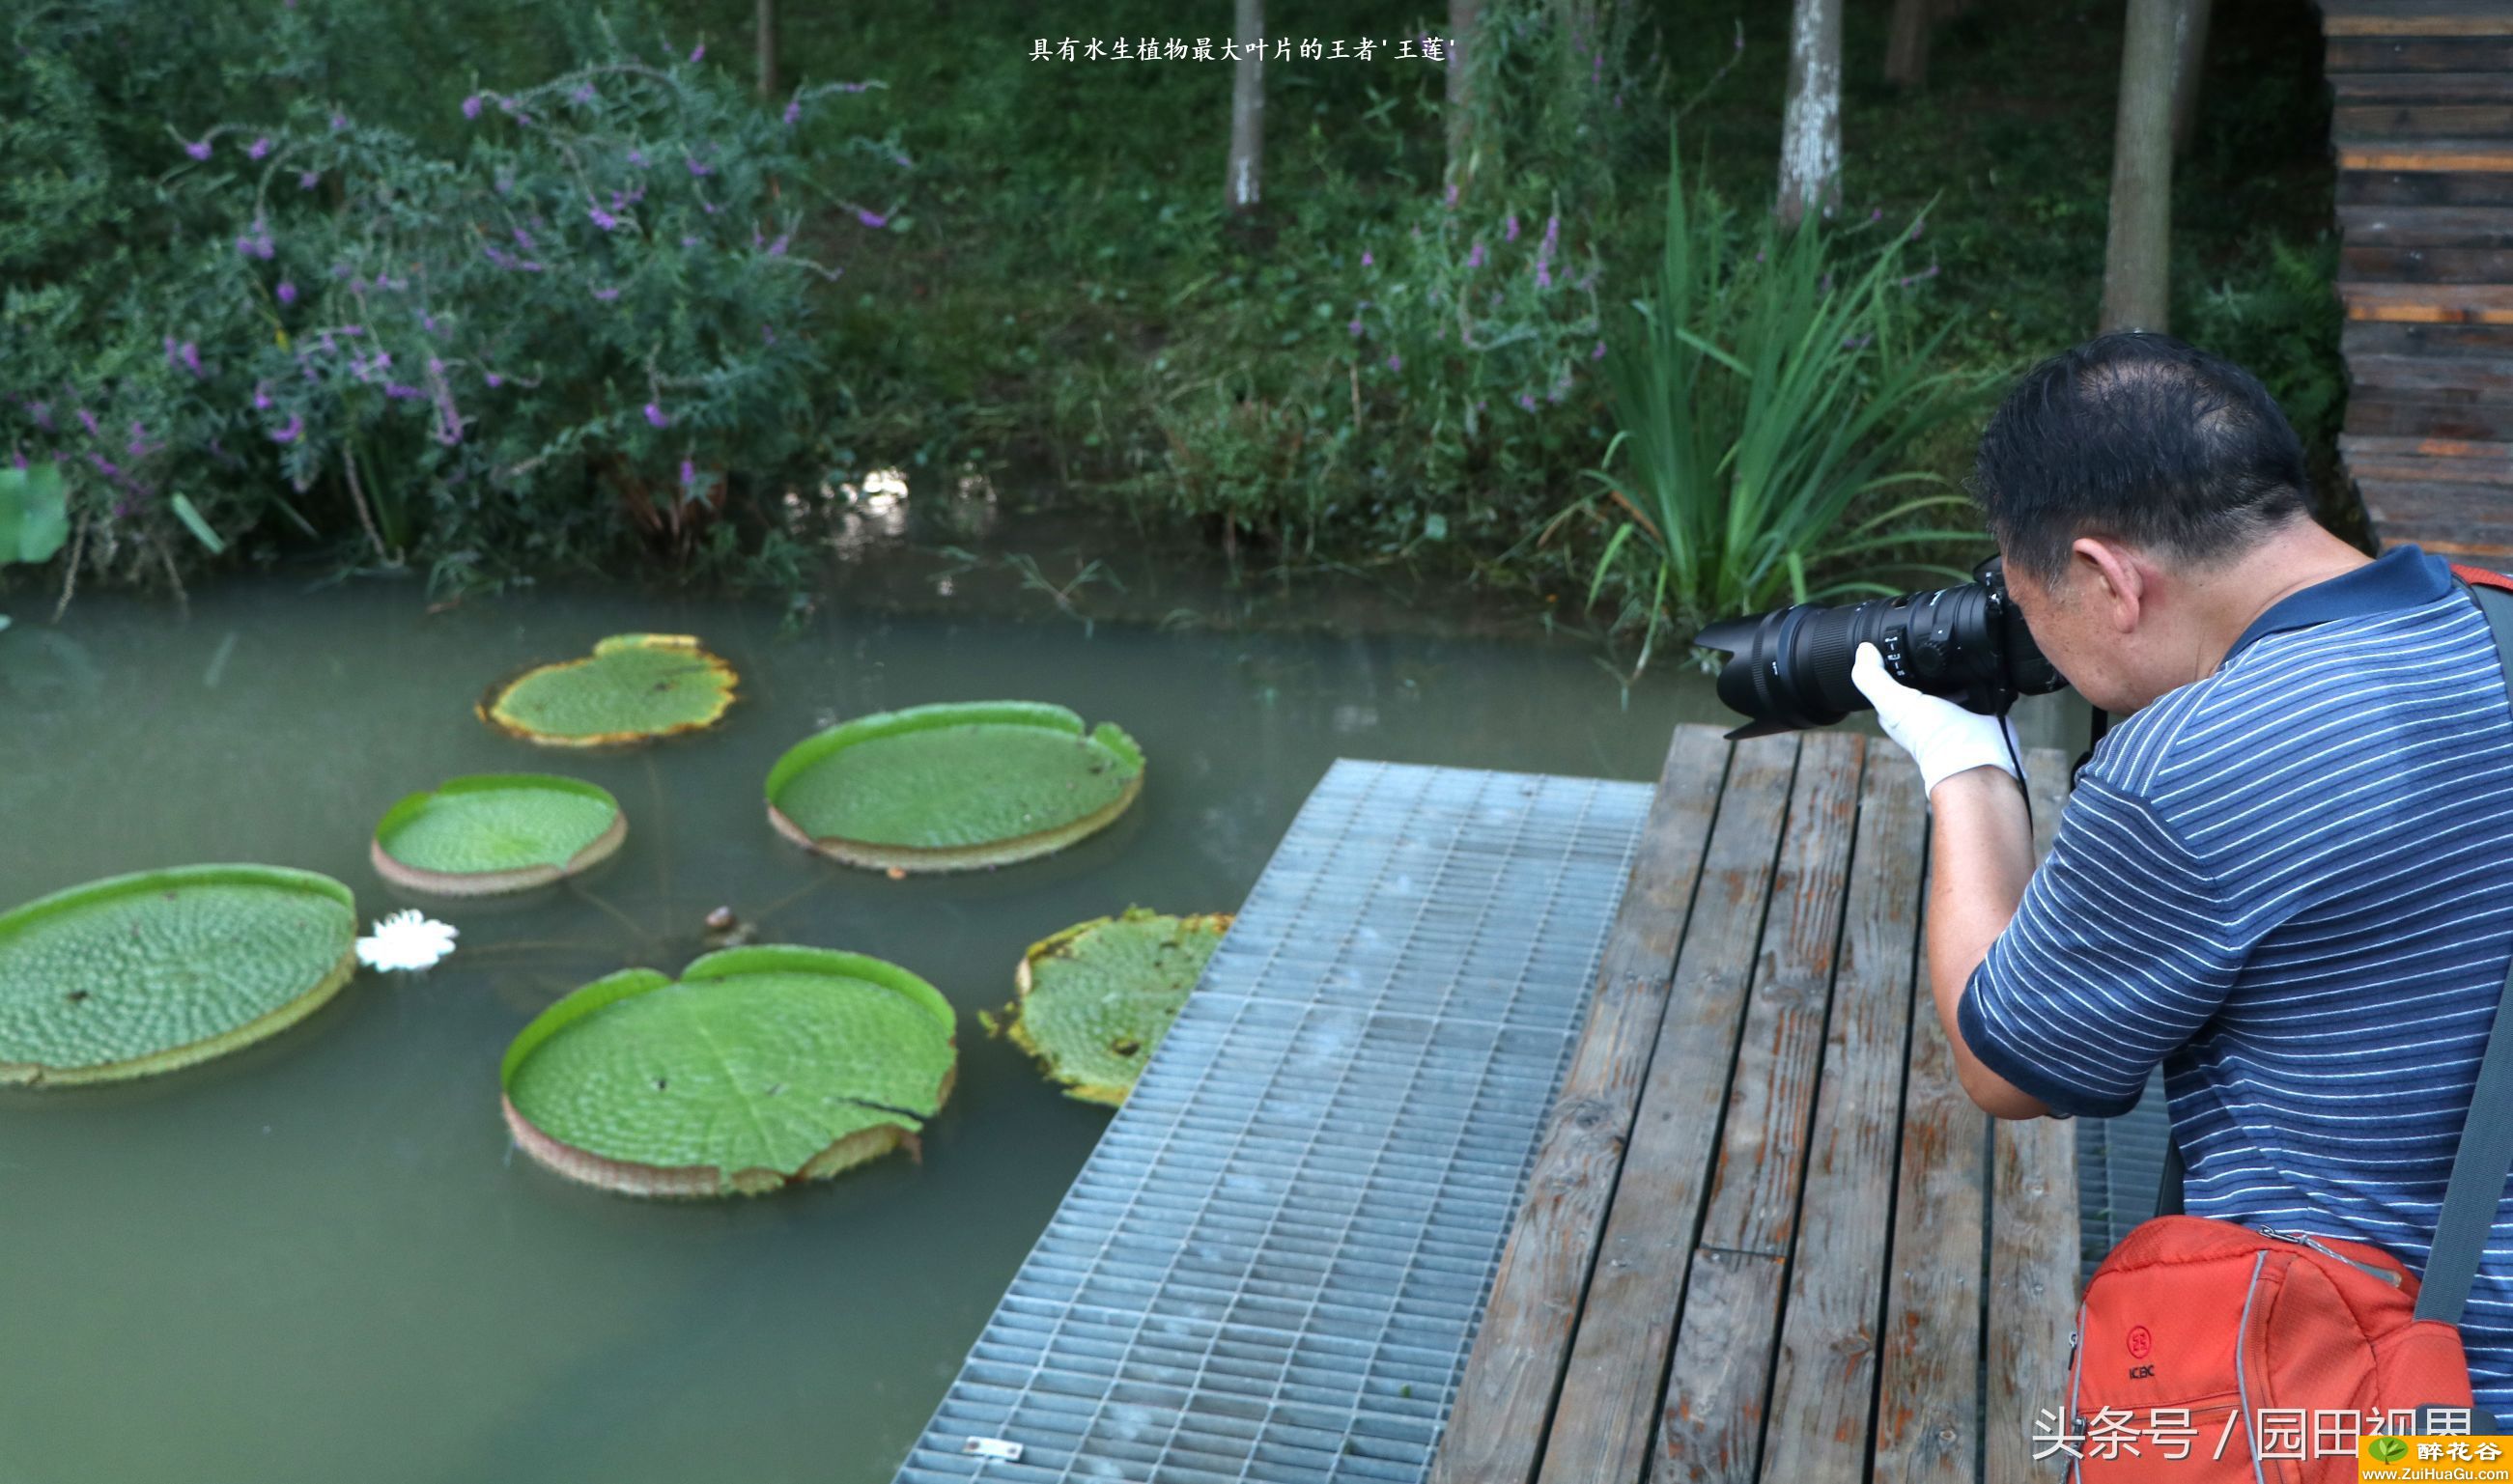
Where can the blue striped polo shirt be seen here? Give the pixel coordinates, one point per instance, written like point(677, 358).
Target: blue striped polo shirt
point(2290, 882)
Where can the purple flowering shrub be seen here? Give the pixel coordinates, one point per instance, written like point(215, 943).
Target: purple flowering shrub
point(591, 318)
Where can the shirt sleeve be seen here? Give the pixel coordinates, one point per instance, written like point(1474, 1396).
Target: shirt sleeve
point(2119, 953)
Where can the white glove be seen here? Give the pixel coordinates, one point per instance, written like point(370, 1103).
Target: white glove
point(1940, 736)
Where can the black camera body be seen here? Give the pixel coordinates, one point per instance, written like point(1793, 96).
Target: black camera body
point(1790, 669)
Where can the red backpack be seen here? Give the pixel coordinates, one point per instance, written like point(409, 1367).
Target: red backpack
point(2208, 1352)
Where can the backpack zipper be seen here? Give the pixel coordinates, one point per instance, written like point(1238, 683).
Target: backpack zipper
point(2313, 1242)
point(2241, 1388)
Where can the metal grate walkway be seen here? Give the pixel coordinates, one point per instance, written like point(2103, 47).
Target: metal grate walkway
point(1272, 1264)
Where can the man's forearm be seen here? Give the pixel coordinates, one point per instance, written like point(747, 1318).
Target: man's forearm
point(1981, 856)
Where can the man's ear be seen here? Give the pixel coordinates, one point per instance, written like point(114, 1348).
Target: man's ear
point(2118, 581)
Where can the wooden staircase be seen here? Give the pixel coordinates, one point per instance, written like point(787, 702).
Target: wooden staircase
point(2423, 125)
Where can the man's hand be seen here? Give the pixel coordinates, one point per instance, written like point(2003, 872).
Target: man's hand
point(1942, 737)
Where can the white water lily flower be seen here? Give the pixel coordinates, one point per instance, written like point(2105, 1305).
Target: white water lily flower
point(407, 940)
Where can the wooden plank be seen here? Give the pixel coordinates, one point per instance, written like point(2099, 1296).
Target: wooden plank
point(1610, 1390)
point(1715, 1420)
point(2421, 121)
point(1506, 1394)
point(2475, 519)
point(2410, 469)
point(2418, 53)
point(2350, 88)
point(2353, 446)
point(1929, 1400)
point(2440, 156)
point(2419, 17)
point(2381, 338)
point(2429, 303)
point(2445, 414)
point(2033, 1239)
point(2428, 265)
point(2415, 373)
point(2395, 187)
point(1825, 1384)
point(1710, 1427)
point(2427, 227)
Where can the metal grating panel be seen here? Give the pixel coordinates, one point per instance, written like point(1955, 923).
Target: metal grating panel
point(1272, 1266)
point(2120, 1169)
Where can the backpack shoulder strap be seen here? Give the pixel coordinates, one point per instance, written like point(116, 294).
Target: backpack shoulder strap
point(2480, 1165)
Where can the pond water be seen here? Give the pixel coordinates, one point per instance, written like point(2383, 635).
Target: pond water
point(321, 1259)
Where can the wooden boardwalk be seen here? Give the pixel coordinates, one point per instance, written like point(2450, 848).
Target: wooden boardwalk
point(2422, 123)
point(1766, 1235)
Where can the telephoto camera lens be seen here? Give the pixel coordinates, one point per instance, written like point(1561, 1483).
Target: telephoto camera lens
point(1790, 669)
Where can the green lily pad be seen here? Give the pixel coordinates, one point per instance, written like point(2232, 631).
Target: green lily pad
point(144, 973)
point(953, 787)
point(1096, 998)
point(759, 1068)
point(634, 687)
point(34, 513)
point(492, 832)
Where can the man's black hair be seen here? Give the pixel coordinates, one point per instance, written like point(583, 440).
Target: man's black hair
point(2139, 437)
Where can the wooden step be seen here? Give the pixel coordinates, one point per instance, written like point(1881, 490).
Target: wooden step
point(2387, 338)
point(2428, 265)
point(2453, 519)
point(2496, 455)
point(2440, 414)
point(2421, 121)
point(2433, 156)
point(2418, 53)
point(2429, 303)
point(2350, 88)
point(2495, 470)
point(2426, 226)
point(2393, 187)
point(2474, 373)
point(2415, 18)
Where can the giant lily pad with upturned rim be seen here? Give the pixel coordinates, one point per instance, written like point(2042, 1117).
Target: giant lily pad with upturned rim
point(490, 832)
point(148, 973)
point(634, 687)
point(953, 785)
point(1097, 998)
point(758, 1068)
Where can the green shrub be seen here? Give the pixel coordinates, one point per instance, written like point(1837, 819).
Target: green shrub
point(2278, 315)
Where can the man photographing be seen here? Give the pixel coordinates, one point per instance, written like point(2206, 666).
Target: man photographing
point(2287, 877)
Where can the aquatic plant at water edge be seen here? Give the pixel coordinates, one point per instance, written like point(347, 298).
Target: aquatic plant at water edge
point(492, 832)
point(143, 973)
point(760, 1066)
point(1094, 1002)
point(1765, 396)
point(634, 687)
point(955, 786)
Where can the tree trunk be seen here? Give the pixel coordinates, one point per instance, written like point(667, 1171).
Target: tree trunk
point(1810, 129)
point(1906, 45)
point(1461, 99)
point(2191, 62)
point(767, 84)
point(2137, 260)
point(1240, 186)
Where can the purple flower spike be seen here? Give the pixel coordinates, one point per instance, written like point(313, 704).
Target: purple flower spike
point(637, 157)
point(1876, 215)
point(1511, 235)
point(1543, 278)
point(583, 93)
point(258, 148)
point(192, 358)
point(289, 434)
point(1599, 354)
point(793, 110)
point(339, 121)
point(1475, 259)
point(1915, 230)
point(767, 337)
point(1452, 195)
point(606, 295)
point(699, 53)
point(776, 249)
point(689, 474)
point(1365, 258)
point(198, 149)
point(603, 219)
point(471, 107)
point(1395, 362)
point(1354, 325)
point(306, 179)
point(696, 169)
point(260, 395)
point(872, 218)
point(654, 416)
point(493, 379)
